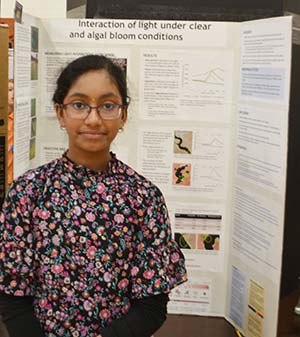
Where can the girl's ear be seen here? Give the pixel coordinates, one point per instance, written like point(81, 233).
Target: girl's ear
point(59, 115)
point(124, 117)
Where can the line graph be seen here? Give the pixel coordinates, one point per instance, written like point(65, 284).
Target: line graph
point(212, 174)
point(214, 76)
point(215, 142)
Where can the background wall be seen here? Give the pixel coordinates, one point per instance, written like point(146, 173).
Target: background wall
point(49, 9)
point(216, 10)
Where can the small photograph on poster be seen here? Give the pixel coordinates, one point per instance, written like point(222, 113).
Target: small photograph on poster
point(182, 174)
point(186, 240)
point(33, 107)
point(208, 242)
point(198, 241)
point(18, 12)
point(183, 142)
point(34, 52)
point(32, 148)
point(33, 127)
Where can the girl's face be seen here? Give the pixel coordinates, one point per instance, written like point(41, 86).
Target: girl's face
point(92, 135)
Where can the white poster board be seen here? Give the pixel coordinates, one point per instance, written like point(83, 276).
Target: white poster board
point(208, 124)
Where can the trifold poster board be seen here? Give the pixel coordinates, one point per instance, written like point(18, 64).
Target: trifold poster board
point(208, 123)
point(3, 106)
point(8, 87)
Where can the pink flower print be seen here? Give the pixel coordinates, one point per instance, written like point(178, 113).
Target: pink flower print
point(56, 184)
point(55, 240)
point(140, 247)
point(57, 269)
point(90, 217)
point(157, 283)
point(105, 207)
point(119, 218)
point(90, 267)
point(54, 253)
point(24, 269)
point(100, 230)
point(30, 176)
point(130, 172)
point(100, 188)
point(134, 271)
point(151, 223)
point(43, 225)
point(110, 249)
point(57, 215)
point(14, 213)
point(123, 283)
point(105, 258)
point(91, 252)
point(43, 302)
point(77, 210)
point(23, 200)
point(43, 214)
point(19, 231)
point(104, 314)
point(19, 293)
point(18, 188)
point(74, 195)
point(162, 234)
point(87, 306)
point(107, 277)
point(65, 179)
point(148, 274)
point(175, 257)
point(29, 238)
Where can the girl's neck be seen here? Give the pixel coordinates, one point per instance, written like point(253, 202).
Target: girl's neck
point(95, 162)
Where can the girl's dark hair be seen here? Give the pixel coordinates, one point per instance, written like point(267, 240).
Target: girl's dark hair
point(83, 65)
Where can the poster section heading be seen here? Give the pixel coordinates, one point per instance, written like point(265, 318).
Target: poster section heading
point(139, 31)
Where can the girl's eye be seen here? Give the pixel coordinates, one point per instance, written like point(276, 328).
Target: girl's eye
point(108, 106)
point(79, 105)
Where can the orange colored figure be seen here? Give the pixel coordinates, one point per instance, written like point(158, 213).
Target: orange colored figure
point(10, 131)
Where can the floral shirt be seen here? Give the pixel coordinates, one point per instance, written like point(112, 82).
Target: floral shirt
point(85, 244)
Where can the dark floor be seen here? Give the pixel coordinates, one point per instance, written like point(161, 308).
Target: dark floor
point(195, 326)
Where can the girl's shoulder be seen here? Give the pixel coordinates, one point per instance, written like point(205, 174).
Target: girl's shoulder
point(136, 182)
point(35, 179)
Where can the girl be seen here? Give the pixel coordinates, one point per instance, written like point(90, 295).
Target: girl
point(85, 240)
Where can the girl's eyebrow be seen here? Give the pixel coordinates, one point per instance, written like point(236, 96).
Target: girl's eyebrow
point(106, 95)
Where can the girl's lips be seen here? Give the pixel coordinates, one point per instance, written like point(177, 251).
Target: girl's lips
point(92, 134)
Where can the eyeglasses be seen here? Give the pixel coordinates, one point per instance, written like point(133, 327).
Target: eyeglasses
point(79, 110)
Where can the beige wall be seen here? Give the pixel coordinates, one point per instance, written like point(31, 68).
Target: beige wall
point(44, 9)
